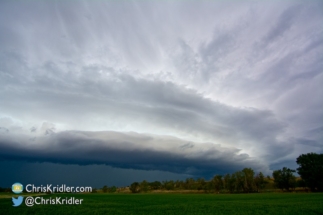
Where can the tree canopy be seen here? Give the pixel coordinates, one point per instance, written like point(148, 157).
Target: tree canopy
point(311, 170)
point(284, 178)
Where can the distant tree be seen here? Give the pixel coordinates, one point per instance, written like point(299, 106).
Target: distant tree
point(229, 182)
point(311, 170)
point(135, 187)
point(179, 185)
point(105, 189)
point(260, 181)
point(155, 185)
point(218, 183)
point(94, 190)
point(208, 187)
point(248, 184)
point(168, 185)
point(112, 189)
point(284, 178)
point(239, 181)
point(201, 183)
point(189, 184)
point(144, 186)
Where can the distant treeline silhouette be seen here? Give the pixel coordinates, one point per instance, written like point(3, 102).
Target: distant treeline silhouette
point(246, 181)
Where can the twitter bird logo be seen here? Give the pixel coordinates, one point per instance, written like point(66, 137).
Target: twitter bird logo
point(16, 202)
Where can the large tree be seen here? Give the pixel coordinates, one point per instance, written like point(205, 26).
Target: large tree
point(284, 178)
point(311, 170)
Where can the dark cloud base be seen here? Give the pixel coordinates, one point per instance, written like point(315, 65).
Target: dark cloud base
point(128, 151)
point(76, 175)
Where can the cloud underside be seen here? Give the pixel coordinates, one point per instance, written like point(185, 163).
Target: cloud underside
point(127, 150)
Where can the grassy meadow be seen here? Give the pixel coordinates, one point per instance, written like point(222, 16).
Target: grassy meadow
point(263, 203)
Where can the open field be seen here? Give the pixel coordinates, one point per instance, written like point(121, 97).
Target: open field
point(9, 195)
point(273, 203)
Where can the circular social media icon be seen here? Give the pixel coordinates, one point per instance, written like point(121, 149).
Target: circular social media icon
point(17, 188)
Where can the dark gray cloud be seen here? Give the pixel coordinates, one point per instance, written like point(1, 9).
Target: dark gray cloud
point(127, 150)
point(76, 175)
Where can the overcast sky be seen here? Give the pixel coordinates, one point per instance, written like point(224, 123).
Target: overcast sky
point(133, 90)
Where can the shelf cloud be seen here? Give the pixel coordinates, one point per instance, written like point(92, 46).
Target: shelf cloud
point(127, 150)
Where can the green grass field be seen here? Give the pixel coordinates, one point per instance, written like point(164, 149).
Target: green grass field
point(269, 203)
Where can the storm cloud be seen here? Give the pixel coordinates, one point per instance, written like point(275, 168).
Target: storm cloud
point(127, 150)
point(195, 88)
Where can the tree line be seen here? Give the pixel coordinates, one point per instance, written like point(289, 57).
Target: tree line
point(247, 181)
point(241, 181)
